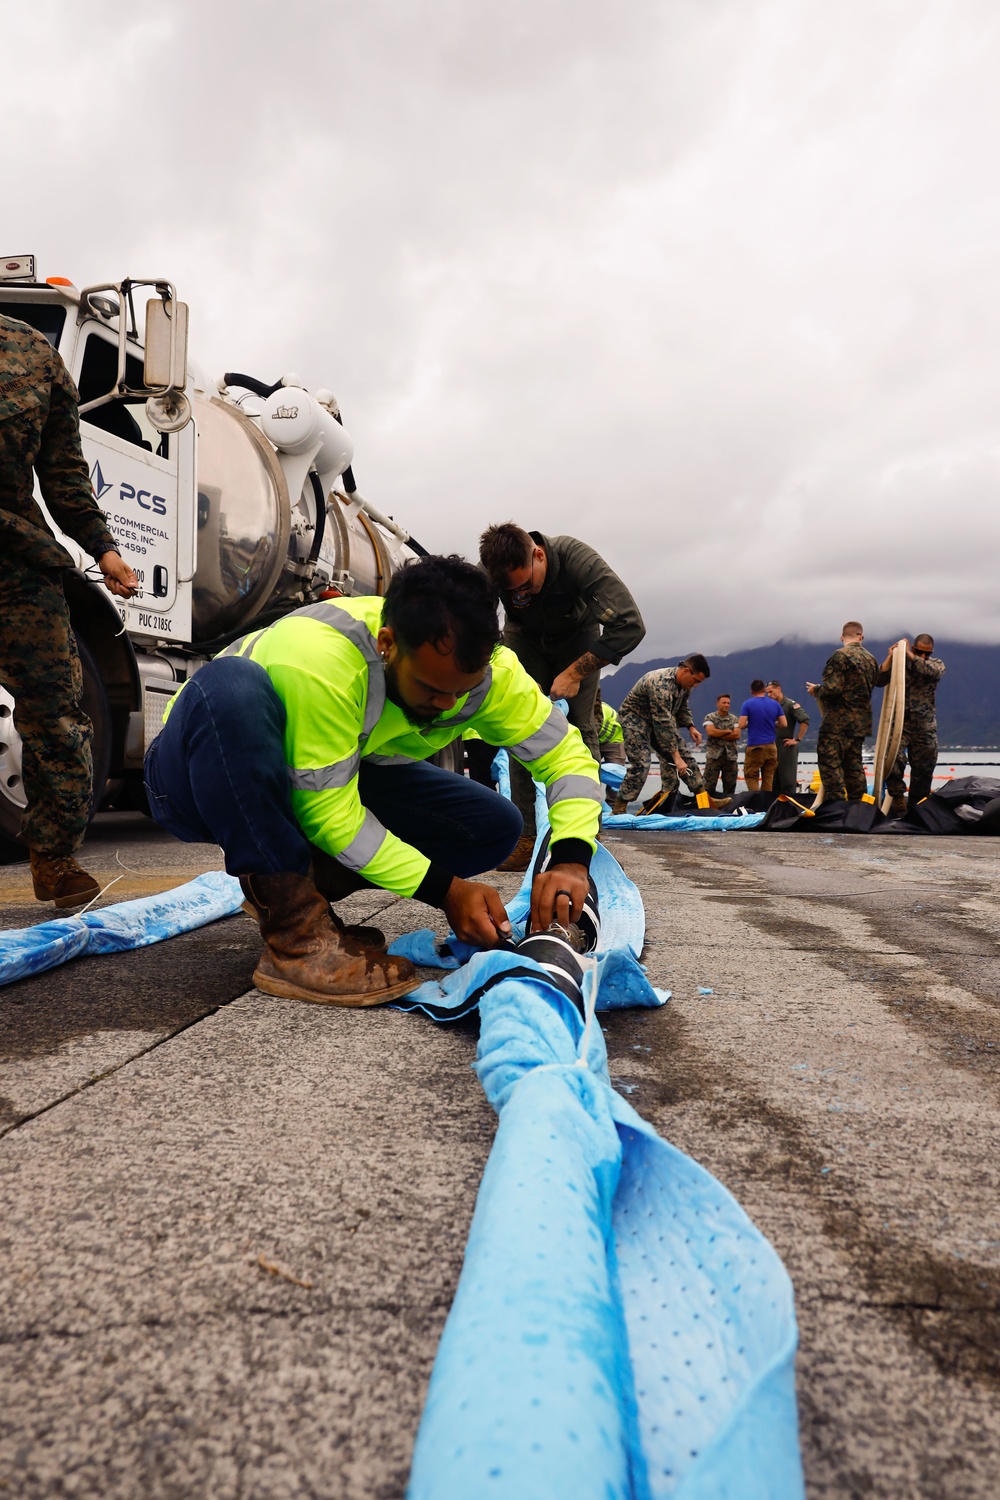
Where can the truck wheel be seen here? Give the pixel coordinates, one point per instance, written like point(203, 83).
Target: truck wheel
point(451, 758)
point(12, 798)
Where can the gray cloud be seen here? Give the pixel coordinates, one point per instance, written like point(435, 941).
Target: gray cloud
point(712, 286)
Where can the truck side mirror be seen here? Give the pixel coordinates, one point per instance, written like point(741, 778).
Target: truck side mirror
point(165, 365)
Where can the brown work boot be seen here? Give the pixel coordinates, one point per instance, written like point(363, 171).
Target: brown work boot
point(897, 807)
point(372, 937)
point(520, 856)
point(619, 806)
point(59, 878)
point(719, 801)
point(306, 958)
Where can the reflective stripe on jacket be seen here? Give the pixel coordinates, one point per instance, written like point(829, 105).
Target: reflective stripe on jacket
point(610, 732)
point(324, 664)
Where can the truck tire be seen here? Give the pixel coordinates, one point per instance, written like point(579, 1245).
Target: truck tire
point(12, 799)
point(451, 758)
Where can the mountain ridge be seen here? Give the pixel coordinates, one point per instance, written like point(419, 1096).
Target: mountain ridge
point(968, 698)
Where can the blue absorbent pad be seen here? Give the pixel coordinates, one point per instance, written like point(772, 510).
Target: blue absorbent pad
point(688, 824)
point(112, 929)
point(623, 982)
point(623, 921)
point(623, 979)
point(621, 1329)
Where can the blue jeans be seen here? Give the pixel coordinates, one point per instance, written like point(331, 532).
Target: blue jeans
point(216, 774)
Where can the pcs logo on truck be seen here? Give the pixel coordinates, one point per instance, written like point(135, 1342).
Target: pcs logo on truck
point(156, 503)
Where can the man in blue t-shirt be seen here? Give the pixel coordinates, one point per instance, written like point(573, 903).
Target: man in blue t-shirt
point(760, 716)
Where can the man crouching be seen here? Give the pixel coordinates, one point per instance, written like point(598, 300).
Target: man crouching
point(302, 750)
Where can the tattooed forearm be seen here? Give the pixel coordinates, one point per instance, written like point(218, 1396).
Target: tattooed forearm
point(588, 663)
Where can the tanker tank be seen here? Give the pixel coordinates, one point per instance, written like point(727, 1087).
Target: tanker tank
point(256, 550)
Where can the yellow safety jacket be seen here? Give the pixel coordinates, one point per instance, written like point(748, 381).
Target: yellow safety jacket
point(324, 664)
point(610, 732)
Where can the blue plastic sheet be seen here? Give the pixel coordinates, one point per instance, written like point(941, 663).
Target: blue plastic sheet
point(621, 1328)
point(112, 929)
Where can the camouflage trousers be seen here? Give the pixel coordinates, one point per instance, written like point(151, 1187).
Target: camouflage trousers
point(717, 763)
point(920, 746)
point(840, 766)
point(640, 741)
point(40, 668)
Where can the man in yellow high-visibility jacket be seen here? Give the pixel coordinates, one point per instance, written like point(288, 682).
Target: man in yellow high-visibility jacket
point(302, 750)
point(611, 736)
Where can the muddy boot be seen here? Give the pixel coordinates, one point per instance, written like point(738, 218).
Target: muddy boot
point(897, 807)
point(369, 937)
point(335, 882)
point(306, 958)
point(60, 879)
point(519, 858)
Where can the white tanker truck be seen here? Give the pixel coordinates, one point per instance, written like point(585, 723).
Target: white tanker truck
point(233, 500)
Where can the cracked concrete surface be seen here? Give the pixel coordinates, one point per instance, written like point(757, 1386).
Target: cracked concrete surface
point(841, 1080)
point(168, 1128)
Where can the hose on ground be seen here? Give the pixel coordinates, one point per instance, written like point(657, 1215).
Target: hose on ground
point(890, 724)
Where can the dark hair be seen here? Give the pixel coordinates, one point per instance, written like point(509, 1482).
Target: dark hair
point(774, 683)
point(924, 640)
point(447, 601)
point(725, 695)
point(757, 686)
point(853, 627)
point(504, 547)
point(697, 663)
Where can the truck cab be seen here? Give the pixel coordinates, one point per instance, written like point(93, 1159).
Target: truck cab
point(233, 500)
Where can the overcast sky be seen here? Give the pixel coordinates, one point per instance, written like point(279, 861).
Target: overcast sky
point(712, 284)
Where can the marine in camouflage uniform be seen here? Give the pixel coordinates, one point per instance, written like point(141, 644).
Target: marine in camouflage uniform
point(845, 696)
point(652, 716)
point(39, 660)
point(919, 742)
point(721, 756)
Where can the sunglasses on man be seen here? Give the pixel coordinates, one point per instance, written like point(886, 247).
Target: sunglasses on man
point(522, 597)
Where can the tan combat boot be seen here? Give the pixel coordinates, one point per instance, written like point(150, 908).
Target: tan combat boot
point(897, 807)
point(59, 878)
point(618, 806)
point(520, 856)
point(306, 958)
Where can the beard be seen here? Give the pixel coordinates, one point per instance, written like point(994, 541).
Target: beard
point(419, 717)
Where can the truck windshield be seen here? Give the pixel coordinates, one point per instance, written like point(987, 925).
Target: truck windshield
point(127, 420)
point(47, 318)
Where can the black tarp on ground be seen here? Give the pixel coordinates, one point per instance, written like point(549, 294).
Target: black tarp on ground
point(969, 804)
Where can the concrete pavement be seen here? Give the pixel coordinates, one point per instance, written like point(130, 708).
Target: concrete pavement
point(172, 1134)
point(841, 1080)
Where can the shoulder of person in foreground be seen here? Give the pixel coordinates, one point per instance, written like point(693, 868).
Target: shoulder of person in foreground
point(29, 366)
